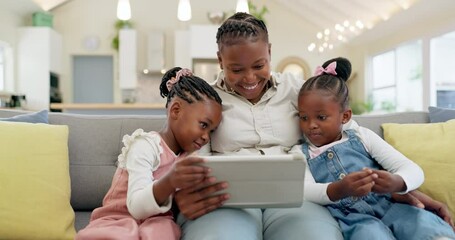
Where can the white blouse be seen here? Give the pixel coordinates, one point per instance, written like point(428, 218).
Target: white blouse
point(141, 156)
point(267, 127)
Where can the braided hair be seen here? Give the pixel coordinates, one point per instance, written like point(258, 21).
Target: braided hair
point(239, 27)
point(188, 88)
point(335, 84)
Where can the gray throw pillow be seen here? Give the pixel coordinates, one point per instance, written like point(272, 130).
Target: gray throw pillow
point(438, 114)
point(35, 117)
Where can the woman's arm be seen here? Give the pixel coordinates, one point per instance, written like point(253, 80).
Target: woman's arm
point(421, 200)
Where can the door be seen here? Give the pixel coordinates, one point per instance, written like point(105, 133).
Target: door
point(93, 79)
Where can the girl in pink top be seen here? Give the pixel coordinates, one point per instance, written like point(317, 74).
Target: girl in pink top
point(153, 165)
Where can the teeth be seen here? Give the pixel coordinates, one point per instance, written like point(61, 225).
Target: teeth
point(251, 87)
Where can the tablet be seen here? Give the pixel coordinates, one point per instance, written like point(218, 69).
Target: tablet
point(260, 181)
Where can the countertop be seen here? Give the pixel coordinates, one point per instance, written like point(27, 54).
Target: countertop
point(87, 106)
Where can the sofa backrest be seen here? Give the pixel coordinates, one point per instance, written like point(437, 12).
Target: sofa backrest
point(373, 122)
point(95, 142)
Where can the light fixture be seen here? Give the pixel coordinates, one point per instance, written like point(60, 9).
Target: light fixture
point(242, 6)
point(184, 10)
point(123, 10)
point(347, 29)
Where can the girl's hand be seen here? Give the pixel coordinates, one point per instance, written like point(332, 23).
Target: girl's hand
point(356, 184)
point(421, 200)
point(198, 200)
point(187, 172)
point(388, 182)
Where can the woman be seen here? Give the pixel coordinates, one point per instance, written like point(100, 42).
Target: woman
point(259, 117)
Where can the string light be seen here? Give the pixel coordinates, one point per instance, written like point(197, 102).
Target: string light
point(347, 29)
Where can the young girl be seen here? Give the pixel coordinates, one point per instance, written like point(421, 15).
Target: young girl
point(354, 171)
point(153, 165)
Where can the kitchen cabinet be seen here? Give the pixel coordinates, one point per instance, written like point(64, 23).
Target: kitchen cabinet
point(127, 59)
point(196, 43)
point(39, 54)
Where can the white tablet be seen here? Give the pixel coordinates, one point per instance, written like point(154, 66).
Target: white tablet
point(260, 181)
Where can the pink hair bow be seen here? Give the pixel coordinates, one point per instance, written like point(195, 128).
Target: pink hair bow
point(330, 69)
point(182, 72)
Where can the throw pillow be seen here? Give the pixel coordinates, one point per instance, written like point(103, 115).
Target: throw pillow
point(438, 114)
point(35, 182)
point(431, 146)
point(35, 117)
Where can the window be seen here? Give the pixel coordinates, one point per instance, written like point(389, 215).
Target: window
point(442, 62)
point(397, 79)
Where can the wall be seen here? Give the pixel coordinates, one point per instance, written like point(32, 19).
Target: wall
point(435, 18)
point(289, 34)
point(79, 19)
point(13, 14)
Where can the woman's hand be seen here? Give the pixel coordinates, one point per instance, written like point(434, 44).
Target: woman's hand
point(184, 173)
point(421, 200)
point(198, 200)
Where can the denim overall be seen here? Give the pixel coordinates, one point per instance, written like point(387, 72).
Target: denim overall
point(373, 216)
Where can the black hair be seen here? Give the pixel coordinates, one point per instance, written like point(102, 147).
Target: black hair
point(334, 84)
point(188, 88)
point(239, 27)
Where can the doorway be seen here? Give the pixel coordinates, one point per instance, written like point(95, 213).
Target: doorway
point(93, 79)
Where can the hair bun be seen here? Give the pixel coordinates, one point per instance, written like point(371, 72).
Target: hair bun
point(343, 68)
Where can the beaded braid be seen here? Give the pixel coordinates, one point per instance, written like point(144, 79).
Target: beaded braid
point(335, 84)
point(188, 88)
point(239, 27)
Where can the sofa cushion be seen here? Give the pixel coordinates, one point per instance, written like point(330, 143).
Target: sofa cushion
point(438, 114)
point(35, 183)
point(34, 117)
point(431, 146)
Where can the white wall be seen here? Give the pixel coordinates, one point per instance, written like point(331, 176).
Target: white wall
point(79, 19)
point(435, 17)
point(13, 14)
point(289, 34)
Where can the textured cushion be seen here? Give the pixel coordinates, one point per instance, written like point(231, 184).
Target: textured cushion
point(35, 182)
point(35, 117)
point(432, 147)
point(440, 114)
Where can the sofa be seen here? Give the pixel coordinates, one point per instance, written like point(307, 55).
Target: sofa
point(95, 141)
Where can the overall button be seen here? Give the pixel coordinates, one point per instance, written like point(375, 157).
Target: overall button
point(330, 155)
point(341, 176)
point(353, 198)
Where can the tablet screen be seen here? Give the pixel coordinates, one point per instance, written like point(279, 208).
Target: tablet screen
point(260, 181)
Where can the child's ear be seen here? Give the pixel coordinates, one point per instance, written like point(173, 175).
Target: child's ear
point(175, 109)
point(347, 114)
point(220, 60)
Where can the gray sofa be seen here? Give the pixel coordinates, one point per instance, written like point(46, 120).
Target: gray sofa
point(96, 140)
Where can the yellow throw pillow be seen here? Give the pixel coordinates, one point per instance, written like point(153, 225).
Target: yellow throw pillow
point(432, 147)
point(35, 182)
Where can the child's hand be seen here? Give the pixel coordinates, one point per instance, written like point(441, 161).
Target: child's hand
point(356, 184)
point(388, 182)
point(187, 172)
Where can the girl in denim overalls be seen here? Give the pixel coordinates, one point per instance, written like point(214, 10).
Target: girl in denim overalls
point(354, 170)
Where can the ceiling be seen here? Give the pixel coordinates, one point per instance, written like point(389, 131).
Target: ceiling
point(47, 5)
point(355, 17)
